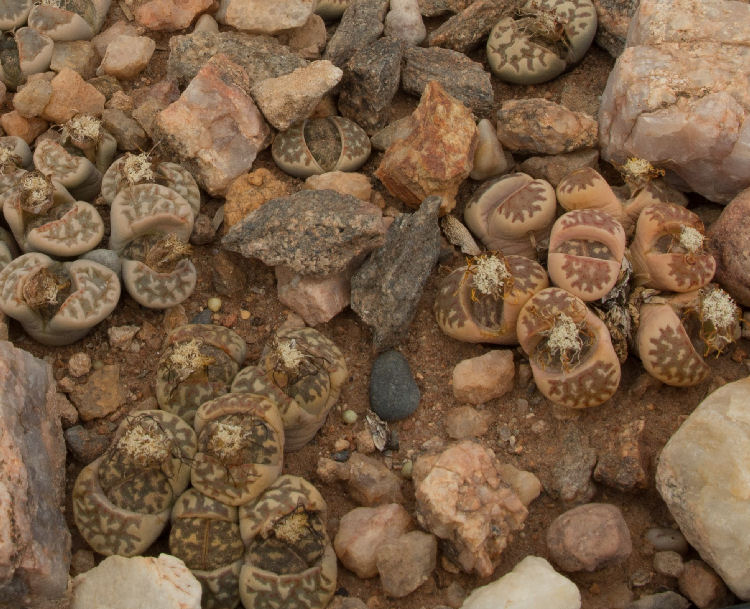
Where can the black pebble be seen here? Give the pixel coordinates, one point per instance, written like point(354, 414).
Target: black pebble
point(394, 394)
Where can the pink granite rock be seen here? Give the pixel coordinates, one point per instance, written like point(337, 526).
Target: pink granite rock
point(675, 99)
point(34, 539)
point(170, 15)
point(72, 95)
point(315, 299)
point(215, 128)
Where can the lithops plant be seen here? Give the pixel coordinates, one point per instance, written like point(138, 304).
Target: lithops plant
point(15, 160)
point(569, 349)
point(8, 248)
point(310, 369)
point(10, 63)
point(76, 173)
point(131, 169)
point(198, 364)
point(512, 214)
point(86, 134)
point(669, 249)
point(205, 535)
point(676, 332)
point(34, 51)
point(151, 225)
point(289, 561)
point(122, 501)
point(480, 302)
point(320, 145)
point(240, 447)
point(69, 19)
point(585, 188)
point(541, 39)
point(57, 303)
point(586, 248)
point(13, 13)
point(45, 218)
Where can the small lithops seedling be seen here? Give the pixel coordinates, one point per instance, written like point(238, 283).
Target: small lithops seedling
point(86, 133)
point(585, 188)
point(122, 501)
point(569, 349)
point(586, 247)
point(205, 535)
point(310, 369)
point(674, 330)
point(44, 218)
point(198, 365)
point(69, 19)
point(320, 145)
point(480, 302)
point(512, 214)
point(79, 175)
point(57, 303)
point(131, 169)
point(669, 249)
point(541, 39)
point(240, 447)
point(289, 561)
point(14, 13)
point(331, 9)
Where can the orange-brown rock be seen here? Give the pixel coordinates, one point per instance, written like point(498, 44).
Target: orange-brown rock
point(72, 95)
point(28, 129)
point(436, 156)
point(248, 192)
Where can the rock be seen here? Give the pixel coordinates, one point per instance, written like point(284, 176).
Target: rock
point(698, 475)
point(462, 498)
point(571, 473)
point(465, 422)
point(371, 483)
point(538, 126)
point(532, 584)
point(151, 100)
point(312, 232)
point(27, 129)
point(121, 337)
point(215, 128)
point(363, 530)
point(462, 78)
point(701, 585)
point(315, 299)
point(101, 395)
point(206, 23)
point(78, 55)
point(524, 484)
point(371, 79)
point(436, 156)
point(465, 31)
point(127, 132)
point(555, 167)
point(489, 158)
point(308, 40)
point(84, 444)
point(589, 537)
point(263, 17)
point(3, 91)
point(204, 230)
point(673, 97)
point(479, 379)
point(386, 289)
point(290, 98)
point(344, 182)
point(81, 561)
point(395, 130)
point(107, 86)
point(340, 602)
point(170, 15)
point(668, 563)
point(248, 192)
point(227, 275)
point(394, 394)
point(127, 56)
point(406, 562)
point(404, 22)
point(624, 466)
point(731, 248)
point(662, 600)
point(118, 28)
point(33, 97)
point(613, 18)
point(71, 95)
point(360, 25)
point(664, 540)
point(261, 57)
point(79, 364)
point(34, 539)
point(147, 583)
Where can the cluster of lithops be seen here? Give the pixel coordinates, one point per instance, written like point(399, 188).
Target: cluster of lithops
point(248, 534)
point(541, 39)
point(653, 298)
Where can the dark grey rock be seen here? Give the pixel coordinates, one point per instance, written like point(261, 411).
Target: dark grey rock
point(571, 474)
point(78, 55)
point(85, 445)
point(361, 24)
point(371, 79)
point(261, 56)
point(464, 79)
point(386, 289)
point(204, 317)
point(127, 132)
point(312, 231)
point(466, 30)
point(432, 8)
point(394, 394)
point(662, 600)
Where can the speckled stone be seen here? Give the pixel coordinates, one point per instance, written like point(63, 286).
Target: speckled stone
point(394, 394)
point(361, 24)
point(465, 31)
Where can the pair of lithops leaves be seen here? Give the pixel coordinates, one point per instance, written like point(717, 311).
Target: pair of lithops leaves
point(152, 210)
point(540, 39)
point(319, 145)
point(59, 19)
point(25, 52)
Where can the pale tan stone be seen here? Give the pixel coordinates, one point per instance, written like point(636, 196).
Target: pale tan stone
point(480, 379)
point(27, 129)
point(170, 15)
point(345, 182)
point(127, 56)
point(264, 17)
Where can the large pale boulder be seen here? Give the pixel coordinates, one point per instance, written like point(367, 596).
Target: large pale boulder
point(704, 477)
point(676, 98)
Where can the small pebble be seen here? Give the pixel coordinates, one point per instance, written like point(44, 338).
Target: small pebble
point(98, 364)
point(394, 394)
point(79, 364)
point(244, 314)
point(668, 563)
point(407, 468)
point(349, 416)
point(204, 317)
point(214, 304)
point(664, 539)
point(341, 456)
point(341, 444)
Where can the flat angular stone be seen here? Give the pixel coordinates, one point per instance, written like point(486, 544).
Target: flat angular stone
point(613, 20)
point(432, 8)
point(466, 30)
point(361, 24)
point(71, 95)
point(406, 562)
point(78, 55)
point(34, 539)
point(554, 168)
point(265, 16)
point(315, 299)
point(169, 15)
point(127, 56)
point(215, 128)
point(313, 232)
